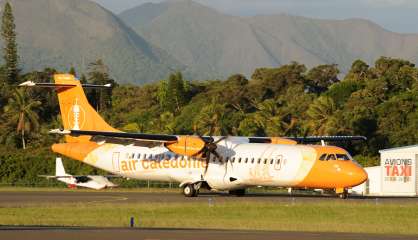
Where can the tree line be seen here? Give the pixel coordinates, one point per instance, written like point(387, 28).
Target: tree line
point(379, 102)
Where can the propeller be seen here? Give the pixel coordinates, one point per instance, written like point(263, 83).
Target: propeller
point(210, 148)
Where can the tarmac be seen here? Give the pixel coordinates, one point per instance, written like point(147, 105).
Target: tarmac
point(71, 233)
point(12, 198)
point(16, 198)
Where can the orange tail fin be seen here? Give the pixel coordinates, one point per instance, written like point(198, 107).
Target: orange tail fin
point(76, 112)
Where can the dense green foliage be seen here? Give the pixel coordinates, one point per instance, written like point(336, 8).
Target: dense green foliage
point(8, 32)
point(380, 102)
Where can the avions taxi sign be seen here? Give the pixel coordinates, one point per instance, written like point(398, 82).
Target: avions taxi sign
point(399, 169)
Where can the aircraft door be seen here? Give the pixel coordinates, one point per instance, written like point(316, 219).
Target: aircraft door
point(278, 162)
point(115, 162)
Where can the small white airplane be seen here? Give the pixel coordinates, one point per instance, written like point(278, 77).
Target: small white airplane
point(224, 163)
point(88, 181)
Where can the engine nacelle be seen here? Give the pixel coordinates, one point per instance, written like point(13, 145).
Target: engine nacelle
point(187, 145)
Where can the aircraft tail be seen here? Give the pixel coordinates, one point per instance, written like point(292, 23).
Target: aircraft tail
point(59, 168)
point(76, 112)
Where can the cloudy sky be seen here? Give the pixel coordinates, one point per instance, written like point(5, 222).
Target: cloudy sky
point(394, 15)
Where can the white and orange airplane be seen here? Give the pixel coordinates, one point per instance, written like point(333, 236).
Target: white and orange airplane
point(96, 182)
point(219, 163)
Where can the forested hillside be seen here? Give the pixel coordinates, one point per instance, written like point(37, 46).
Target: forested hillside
point(378, 101)
point(72, 33)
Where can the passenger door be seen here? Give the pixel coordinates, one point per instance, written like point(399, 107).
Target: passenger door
point(115, 162)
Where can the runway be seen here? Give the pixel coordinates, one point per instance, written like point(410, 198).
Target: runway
point(42, 233)
point(16, 199)
point(12, 198)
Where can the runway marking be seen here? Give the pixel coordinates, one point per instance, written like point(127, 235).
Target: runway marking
point(115, 199)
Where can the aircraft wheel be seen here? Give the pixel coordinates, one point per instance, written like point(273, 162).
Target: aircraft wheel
point(344, 194)
point(189, 191)
point(238, 192)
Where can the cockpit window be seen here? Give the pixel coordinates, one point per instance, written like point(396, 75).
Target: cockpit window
point(331, 157)
point(342, 157)
point(322, 157)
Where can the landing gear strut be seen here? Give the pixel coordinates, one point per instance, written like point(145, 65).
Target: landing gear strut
point(343, 194)
point(190, 191)
point(238, 192)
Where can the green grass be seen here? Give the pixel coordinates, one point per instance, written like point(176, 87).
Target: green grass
point(333, 216)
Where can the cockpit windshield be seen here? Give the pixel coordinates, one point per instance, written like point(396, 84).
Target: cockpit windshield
point(343, 157)
point(331, 157)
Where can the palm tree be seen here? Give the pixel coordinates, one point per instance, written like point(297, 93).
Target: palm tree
point(321, 113)
point(272, 117)
point(20, 114)
point(210, 121)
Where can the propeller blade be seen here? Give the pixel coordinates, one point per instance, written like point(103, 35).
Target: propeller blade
point(221, 139)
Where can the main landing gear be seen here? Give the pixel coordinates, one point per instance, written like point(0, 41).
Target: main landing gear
point(237, 192)
point(189, 190)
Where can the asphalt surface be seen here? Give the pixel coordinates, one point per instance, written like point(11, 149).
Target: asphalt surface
point(15, 198)
point(62, 233)
point(37, 197)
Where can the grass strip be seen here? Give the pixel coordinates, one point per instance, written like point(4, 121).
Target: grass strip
point(336, 216)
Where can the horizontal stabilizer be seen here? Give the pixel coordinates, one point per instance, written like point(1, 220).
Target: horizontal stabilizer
point(133, 136)
point(54, 177)
point(54, 85)
point(79, 176)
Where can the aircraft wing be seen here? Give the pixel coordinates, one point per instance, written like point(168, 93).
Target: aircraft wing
point(312, 139)
point(173, 138)
point(161, 138)
point(54, 177)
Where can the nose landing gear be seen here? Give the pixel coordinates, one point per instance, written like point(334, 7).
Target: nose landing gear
point(342, 193)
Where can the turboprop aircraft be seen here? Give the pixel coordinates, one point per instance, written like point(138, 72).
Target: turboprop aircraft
point(88, 181)
point(224, 163)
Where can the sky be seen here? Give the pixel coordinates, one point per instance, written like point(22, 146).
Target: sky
point(394, 15)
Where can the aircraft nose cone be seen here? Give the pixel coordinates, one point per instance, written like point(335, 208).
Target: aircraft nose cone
point(359, 176)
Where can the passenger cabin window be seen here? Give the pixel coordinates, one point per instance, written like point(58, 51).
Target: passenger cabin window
point(239, 160)
point(323, 157)
point(246, 160)
point(145, 156)
point(342, 157)
point(331, 157)
point(252, 160)
point(259, 161)
point(233, 160)
point(265, 161)
point(271, 161)
point(278, 161)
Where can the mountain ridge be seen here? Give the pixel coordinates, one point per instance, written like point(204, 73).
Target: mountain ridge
point(63, 34)
point(245, 43)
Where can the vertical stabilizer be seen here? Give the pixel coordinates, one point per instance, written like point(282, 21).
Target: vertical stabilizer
point(59, 167)
point(76, 112)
